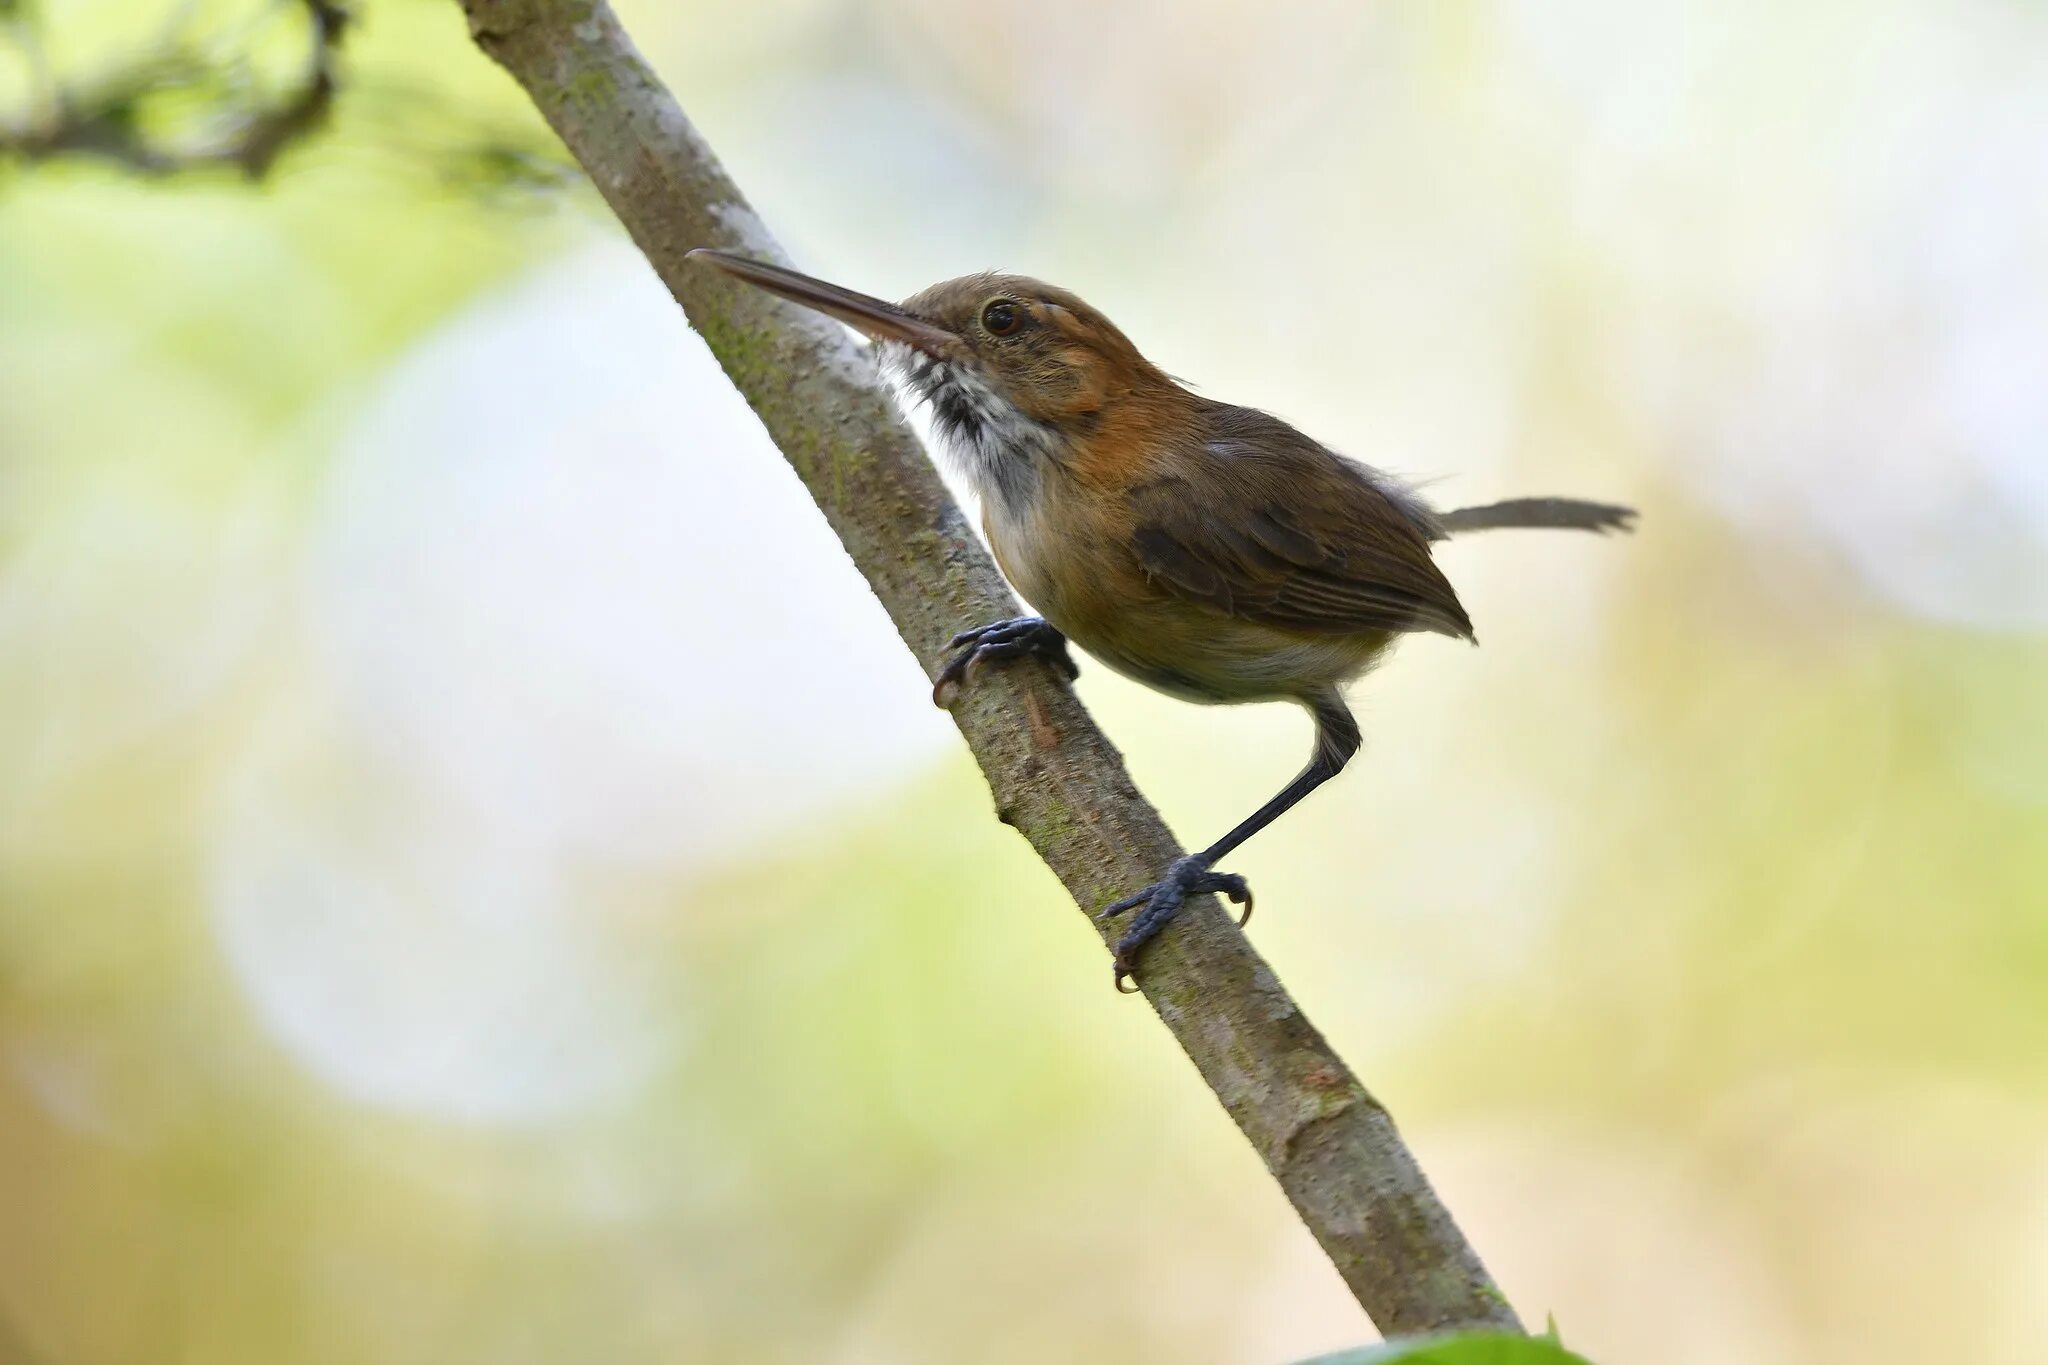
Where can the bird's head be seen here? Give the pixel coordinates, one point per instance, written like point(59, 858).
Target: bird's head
point(1015, 370)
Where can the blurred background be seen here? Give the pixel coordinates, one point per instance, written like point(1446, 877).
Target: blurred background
point(481, 881)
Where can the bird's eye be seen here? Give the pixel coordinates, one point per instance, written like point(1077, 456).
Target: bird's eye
point(1002, 318)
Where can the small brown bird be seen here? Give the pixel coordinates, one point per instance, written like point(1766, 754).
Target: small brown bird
point(1210, 551)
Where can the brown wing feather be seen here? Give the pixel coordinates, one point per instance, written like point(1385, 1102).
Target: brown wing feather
point(1265, 524)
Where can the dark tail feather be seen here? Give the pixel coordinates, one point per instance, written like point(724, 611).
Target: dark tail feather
point(1558, 514)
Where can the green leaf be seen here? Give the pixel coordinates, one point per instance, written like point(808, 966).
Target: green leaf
point(1471, 1348)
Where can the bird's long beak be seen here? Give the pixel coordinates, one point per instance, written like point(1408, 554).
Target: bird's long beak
point(871, 316)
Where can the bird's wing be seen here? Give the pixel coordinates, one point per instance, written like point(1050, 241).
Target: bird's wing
point(1264, 524)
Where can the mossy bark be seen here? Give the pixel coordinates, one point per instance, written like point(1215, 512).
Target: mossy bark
point(1054, 775)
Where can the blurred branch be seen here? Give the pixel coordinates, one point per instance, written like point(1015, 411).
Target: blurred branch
point(501, 161)
point(1054, 775)
point(109, 118)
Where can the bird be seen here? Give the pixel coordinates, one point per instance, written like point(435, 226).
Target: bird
point(1210, 551)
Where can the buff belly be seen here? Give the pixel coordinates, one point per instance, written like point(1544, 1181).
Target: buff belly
point(1202, 656)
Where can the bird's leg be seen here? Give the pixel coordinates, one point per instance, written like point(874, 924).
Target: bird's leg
point(1194, 875)
point(1002, 640)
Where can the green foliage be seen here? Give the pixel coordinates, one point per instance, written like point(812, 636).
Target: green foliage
point(1467, 1348)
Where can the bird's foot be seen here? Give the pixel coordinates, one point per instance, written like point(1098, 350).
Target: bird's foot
point(999, 640)
point(1190, 876)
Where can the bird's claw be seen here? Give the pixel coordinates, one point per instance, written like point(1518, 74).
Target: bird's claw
point(1163, 900)
point(1001, 640)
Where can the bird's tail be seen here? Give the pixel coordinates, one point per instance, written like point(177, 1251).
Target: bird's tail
point(1560, 514)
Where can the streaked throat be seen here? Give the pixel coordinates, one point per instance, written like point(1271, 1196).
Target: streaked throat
point(1000, 450)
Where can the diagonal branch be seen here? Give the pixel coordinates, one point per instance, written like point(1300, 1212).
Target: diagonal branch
point(1330, 1145)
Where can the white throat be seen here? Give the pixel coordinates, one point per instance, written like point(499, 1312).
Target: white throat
point(1000, 451)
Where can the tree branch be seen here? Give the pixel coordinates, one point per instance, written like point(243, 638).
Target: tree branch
point(107, 120)
point(1055, 777)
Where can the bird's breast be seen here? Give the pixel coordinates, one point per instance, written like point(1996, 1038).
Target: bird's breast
point(1050, 561)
